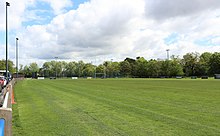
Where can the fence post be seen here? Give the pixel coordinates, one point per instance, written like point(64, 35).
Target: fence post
point(6, 114)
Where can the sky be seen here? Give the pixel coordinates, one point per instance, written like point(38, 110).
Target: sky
point(103, 30)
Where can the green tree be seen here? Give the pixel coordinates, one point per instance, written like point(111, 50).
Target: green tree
point(203, 66)
point(115, 66)
point(190, 63)
point(21, 68)
point(100, 70)
point(62, 68)
point(27, 71)
point(2, 65)
point(165, 68)
point(88, 70)
point(175, 67)
point(141, 67)
point(133, 66)
point(34, 67)
point(47, 67)
point(125, 69)
point(214, 63)
point(80, 67)
point(107, 68)
point(11, 67)
point(153, 68)
point(71, 69)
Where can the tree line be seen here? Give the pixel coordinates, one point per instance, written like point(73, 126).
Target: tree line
point(192, 64)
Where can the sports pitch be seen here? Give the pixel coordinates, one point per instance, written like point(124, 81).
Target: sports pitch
point(117, 107)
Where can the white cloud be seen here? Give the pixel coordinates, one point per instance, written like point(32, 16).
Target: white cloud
point(216, 40)
point(16, 12)
point(59, 5)
point(96, 28)
point(163, 9)
point(116, 29)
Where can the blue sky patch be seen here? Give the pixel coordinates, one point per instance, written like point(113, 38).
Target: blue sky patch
point(41, 13)
point(2, 37)
point(206, 41)
point(76, 3)
point(171, 39)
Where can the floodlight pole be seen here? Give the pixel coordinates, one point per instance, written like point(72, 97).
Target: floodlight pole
point(56, 65)
point(17, 57)
point(168, 56)
point(111, 69)
point(104, 71)
point(95, 71)
point(7, 4)
point(95, 67)
point(78, 70)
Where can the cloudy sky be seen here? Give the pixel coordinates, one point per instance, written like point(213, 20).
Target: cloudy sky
point(98, 30)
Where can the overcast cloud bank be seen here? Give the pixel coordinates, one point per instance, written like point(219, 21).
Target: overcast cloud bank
point(101, 30)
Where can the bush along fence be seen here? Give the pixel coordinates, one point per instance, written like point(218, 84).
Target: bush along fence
point(6, 110)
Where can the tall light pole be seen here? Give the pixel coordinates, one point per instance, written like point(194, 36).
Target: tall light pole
point(7, 4)
point(104, 69)
point(56, 65)
point(16, 57)
point(78, 69)
point(95, 67)
point(112, 70)
point(168, 56)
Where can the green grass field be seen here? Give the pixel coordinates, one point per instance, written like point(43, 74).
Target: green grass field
point(117, 107)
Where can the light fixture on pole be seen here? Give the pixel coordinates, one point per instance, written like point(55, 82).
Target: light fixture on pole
point(7, 5)
point(56, 65)
point(17, 57)
point(168, 56)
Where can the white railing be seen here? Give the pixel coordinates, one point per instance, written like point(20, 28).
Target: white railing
point(6, 109)
point(5, 104)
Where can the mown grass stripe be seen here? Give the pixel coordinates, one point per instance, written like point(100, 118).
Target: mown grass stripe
point(118, 107)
